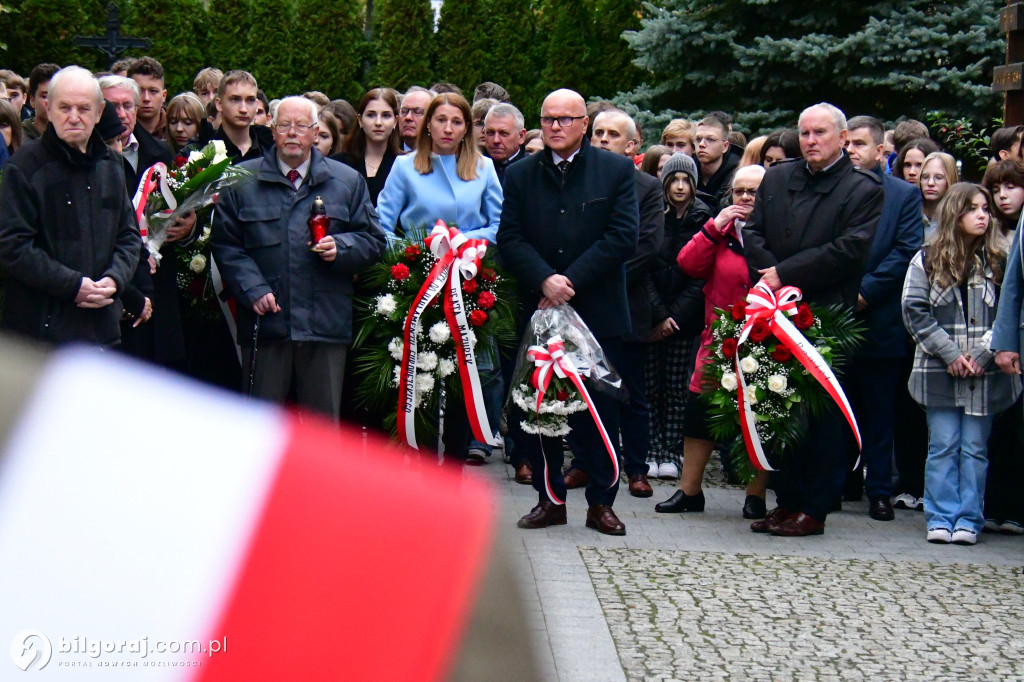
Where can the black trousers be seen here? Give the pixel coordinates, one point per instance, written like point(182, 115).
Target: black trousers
point(872, 386)
point(910, 436)
point(1003, 499)
point(811, 478)
point(588, 447)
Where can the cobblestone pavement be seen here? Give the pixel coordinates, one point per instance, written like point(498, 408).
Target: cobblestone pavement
point(709, 615)
point(698, 596)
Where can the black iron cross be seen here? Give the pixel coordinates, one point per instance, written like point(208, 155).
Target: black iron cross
point(112, 44)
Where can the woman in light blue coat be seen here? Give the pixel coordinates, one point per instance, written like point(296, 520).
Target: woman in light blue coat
point(446, 178)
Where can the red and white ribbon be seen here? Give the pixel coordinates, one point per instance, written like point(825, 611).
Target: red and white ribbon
point(458, 257)
point(775, 309)
point(551, 360)
point(155, 177)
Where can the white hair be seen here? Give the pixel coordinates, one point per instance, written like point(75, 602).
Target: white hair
point(755, 169)
point(838, 117)
point(503, 109)
point(314, 111)
point(122, 83)
point(72, 74)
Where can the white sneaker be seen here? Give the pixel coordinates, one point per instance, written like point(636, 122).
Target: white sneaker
point(1010, 527)
point(652, 469)
point(963, 536)
point(940, 536)
point(904, 501)
point(668, 471)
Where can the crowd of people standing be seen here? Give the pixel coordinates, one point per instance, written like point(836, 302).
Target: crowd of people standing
point(644, 244)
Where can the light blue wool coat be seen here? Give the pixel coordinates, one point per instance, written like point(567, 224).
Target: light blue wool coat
point(418, 201)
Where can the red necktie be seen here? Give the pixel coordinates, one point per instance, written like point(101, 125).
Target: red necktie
point(293, 175)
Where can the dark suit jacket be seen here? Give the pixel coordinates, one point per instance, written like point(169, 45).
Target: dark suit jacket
point(583, 225)
point(815, 229)
point(650, 199)
point(151, 150)
point(897, 239)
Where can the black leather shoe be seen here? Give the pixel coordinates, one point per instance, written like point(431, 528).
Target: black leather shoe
point(681, 502)
point(880, 509)
point(754, 508)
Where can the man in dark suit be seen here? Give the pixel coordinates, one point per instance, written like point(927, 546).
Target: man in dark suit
point(811, 227)
point(614, 130)
point(569, 224)
point(876, 381)
point(162, 341)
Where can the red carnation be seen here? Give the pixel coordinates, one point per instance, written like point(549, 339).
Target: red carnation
point(729, 348)
point(485, 300)
point(469, 286)
point(562, 395)
point(739, 311)
point(400, 272)
point(760, 331)
point(180, 161)
point(478, 318)
point(782, 354)
point(804, 317)
point(488, 275)
point(412, 252)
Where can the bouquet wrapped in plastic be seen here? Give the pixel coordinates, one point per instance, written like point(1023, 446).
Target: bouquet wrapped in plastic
point(559, 359)
point(166, 194)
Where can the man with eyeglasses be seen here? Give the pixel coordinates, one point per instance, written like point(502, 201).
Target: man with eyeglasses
point(162, 341)
point(812, 227)
point(877, 381)
point(717, 165)
point(294, 296)
point(569, 224)
point(410, 115)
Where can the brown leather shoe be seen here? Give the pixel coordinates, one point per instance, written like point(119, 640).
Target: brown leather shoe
point(524, 474)
point(800, 525)
point(639, 487)
point(545, 514)
point(601, 518)
point(575, 478)
point(770, 522)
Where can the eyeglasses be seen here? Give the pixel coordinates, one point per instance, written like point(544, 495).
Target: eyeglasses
point(742, 192)
point(415, 111)
point(563, 121)
point(297, 127)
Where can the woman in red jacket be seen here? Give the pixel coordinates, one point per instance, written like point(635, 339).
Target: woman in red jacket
point(715, 254)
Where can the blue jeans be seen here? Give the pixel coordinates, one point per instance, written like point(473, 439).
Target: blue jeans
point(954, 474)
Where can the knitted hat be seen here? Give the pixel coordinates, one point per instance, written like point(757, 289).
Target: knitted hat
point(110, 125)
point(679, 163)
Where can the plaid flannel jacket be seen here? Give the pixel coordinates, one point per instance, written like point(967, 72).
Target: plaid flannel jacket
point(936, 319)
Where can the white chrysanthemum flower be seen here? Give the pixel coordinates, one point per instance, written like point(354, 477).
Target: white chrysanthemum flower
point(777, 383)
point(198, 263)
point(424, 383)
point(439, 333)
point(427, 361)
point(749, 365)
point(445, 367)
point(396, 375)
point(395, 347)
point(386, 305)
point(752, 394)
point(729, 381)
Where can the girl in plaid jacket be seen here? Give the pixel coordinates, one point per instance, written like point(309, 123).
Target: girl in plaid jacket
point(949, 304)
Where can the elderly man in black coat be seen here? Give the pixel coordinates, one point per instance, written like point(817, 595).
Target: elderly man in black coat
point(569, 224)
point(68, 239)
point(812, 227)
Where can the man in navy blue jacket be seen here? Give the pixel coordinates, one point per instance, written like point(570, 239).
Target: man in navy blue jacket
point(569, 223)
point(874, 383)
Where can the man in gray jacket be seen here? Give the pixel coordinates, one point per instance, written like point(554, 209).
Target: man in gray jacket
point(296, 296)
